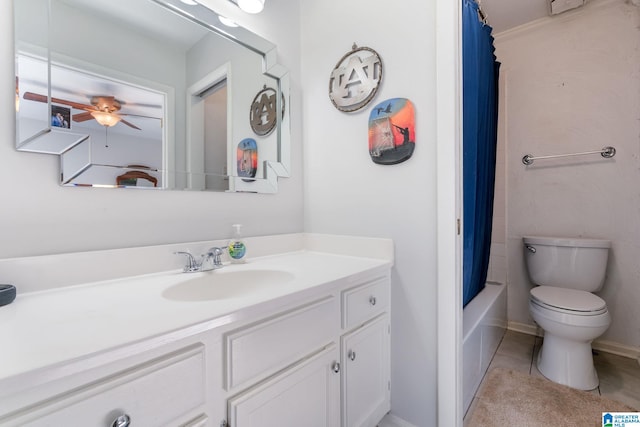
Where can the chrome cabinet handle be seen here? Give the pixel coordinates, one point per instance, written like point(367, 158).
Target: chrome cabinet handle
point(372, 300)
point(351, 355)
point(122, 421)
point(336, 367)
point(530, 249)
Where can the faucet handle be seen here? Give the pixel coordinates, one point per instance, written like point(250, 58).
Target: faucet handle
point(216, 254)
point(192, 264)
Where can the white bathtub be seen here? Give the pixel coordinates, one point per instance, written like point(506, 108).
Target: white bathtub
point(484, 323)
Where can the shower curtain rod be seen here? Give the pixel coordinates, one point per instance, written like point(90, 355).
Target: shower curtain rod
point(606, 152)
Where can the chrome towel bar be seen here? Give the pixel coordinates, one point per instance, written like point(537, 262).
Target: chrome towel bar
point(606, 152)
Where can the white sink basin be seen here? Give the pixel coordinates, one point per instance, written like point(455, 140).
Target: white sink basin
point(224, 284)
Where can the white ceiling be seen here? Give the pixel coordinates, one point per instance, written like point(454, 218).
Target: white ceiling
point(145, 17)
point(505, 14)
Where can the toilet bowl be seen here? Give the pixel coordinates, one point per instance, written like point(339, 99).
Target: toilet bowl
point(567, 271)
point(565, 356)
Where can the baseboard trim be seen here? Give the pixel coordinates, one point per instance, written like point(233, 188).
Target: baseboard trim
point(617, 348)
point(524, 328)
point(390, 420)
point(601, 345)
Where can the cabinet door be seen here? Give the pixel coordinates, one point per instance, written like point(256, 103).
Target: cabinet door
point(306, 394)
point(365, 380)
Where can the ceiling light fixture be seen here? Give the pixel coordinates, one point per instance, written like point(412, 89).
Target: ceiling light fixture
point(189, 2)
point(105, 118)
point(251, 6)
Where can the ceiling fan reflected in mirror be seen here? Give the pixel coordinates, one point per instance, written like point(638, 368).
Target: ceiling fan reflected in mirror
point(104, 109)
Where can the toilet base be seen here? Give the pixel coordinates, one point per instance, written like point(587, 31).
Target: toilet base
point(567, 362)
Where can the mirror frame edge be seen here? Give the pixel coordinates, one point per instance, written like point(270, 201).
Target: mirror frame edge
point(207, 16)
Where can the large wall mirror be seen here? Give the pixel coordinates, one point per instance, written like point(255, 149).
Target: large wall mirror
point(150, 94)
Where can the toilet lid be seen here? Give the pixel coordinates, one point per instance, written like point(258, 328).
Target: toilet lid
point(568, 299)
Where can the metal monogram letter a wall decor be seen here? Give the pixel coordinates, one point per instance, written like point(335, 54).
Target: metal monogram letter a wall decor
point(263, 117)
point(355, 79)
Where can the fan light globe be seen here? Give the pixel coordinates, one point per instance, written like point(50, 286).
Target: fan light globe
point(105, 119)
point(251, 6)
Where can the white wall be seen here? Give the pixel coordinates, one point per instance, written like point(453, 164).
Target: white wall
point(346, 193)
point(123, 150)
point(37, 216)
point(498, 258)
point(571, 84)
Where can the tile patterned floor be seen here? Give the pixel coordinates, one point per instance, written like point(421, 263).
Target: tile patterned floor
point(619, 376)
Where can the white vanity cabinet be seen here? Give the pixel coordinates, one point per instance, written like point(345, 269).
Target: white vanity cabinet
point(284, 370)
point(311, 352)
point(306, 394)
point(366, 354)
point(365, 375)
point(323, 364)
point(169, 388)
point(263, 347)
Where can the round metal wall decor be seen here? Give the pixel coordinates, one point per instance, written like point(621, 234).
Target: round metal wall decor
point(355, 79)
point(263, 117)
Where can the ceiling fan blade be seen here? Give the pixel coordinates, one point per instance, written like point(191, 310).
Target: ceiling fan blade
point(139, 115)
point(82, 117)
point(30, 96)
point(131, 125)
point(139, 104)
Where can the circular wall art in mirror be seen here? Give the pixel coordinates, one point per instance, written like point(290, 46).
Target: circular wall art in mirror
point(355, 79)
point(262, 116)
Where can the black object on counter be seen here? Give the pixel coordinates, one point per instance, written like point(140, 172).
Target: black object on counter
point(7, 294)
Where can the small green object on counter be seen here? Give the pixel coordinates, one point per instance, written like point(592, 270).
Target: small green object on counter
point(237, 248)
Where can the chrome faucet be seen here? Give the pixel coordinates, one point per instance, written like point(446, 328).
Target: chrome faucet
point(215, 254)
point(193, 265)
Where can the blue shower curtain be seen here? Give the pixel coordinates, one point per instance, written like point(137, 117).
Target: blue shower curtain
point(480, 72)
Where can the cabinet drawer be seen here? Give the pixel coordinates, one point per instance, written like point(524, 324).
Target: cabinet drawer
point(362, 303)
point(161, 392)
point(261, 349)
point(307, 394)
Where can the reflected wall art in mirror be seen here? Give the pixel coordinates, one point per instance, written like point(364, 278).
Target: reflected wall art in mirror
point(146, 94)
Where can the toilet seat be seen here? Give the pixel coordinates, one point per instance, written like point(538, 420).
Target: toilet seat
point(568, 301)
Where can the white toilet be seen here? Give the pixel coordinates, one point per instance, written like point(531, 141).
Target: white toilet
point(566, 271)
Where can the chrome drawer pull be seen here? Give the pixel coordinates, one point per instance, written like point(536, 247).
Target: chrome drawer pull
point(122, 421)
point(351, 355)
point(372, 300)
point(336, 367)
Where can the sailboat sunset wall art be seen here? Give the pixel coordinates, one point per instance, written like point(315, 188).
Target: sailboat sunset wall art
point(392, 131)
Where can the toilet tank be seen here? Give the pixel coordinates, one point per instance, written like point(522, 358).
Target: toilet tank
point(562, 262)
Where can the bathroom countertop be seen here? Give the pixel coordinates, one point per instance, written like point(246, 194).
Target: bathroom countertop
point(41, 329)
